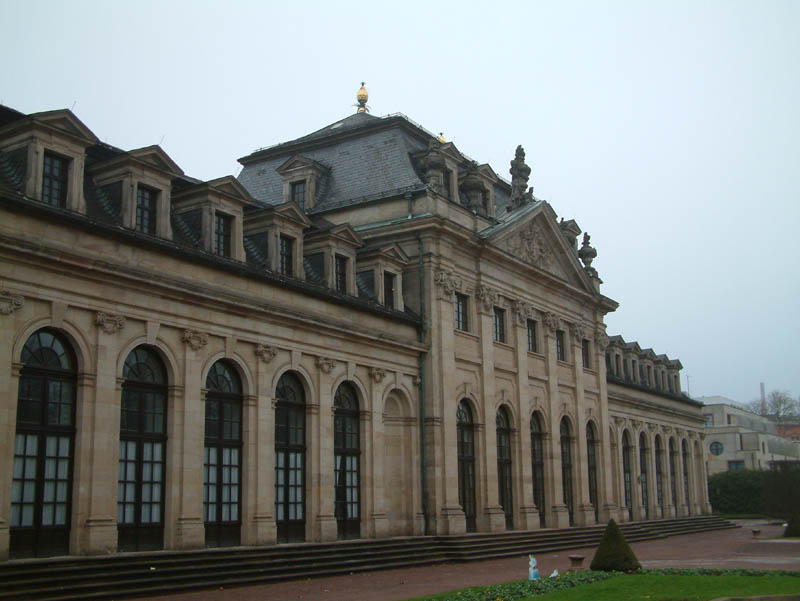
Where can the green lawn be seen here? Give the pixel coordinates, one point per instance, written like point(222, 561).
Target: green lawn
point(674, 588)
point(651, 585)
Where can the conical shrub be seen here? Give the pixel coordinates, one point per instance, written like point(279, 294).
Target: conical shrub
point(793, 527)
point(614, 553)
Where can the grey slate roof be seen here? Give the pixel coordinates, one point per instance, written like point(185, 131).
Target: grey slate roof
point(374, 165)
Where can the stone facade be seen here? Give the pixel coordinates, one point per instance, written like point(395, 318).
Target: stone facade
point(380, 336)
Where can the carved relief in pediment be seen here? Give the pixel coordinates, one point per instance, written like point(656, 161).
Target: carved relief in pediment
point(530, 245)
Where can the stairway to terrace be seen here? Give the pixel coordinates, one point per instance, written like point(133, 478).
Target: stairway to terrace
point(123, 575)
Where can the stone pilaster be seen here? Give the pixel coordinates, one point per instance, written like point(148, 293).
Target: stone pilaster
point(321, 467)
point(584, 510)
point(607, 460)
point(558, 516)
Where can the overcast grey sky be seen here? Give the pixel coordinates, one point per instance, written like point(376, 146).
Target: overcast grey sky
point(669, 130)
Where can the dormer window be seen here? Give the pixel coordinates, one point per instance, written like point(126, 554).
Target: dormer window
point(55, 180)
point(388, 289)
point(287, 256)
point(146, 202)
point(299, 193)
point(222, 234)
point(340, 274)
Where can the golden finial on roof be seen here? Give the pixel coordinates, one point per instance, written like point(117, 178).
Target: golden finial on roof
point(362, 96)
point(441, 138)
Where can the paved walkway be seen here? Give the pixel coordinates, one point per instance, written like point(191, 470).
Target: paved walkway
point(720, 549)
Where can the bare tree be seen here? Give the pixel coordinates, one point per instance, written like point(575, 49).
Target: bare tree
point(780, 406)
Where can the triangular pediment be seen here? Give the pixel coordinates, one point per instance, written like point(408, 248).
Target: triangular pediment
point(390, 252)
point(156, 157)
point(346, 233)
point(290, 210)
point(534, 238)
point(230, 186)
point(298, 161)
point(65, 121)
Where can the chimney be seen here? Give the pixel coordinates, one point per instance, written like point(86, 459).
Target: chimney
point(763, 400)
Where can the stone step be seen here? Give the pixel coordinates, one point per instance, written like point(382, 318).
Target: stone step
point(142, 574)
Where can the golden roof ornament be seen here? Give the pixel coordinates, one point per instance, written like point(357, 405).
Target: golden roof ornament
point(362, 96)
point(441, 138)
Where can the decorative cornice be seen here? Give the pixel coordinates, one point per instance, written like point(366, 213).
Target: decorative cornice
point(377, 374)
point(488, 297)
point(195, 339)
point(326, 364)
point(10, 302)
point(448, 282)
point(109, 323)
point(265, 352)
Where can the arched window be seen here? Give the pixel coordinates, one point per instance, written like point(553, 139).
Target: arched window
point(591, 462)
point(41, 488)
point(660, 474)
point(290, 459)
point(537, 466)
point(504, 465)
point(685, 452)
point(466, 463)
point(222, 457)
point(566, 468)
point(673, 472)
point(627, 451)
point(347, 457)
point(142, 452)
point(643, 473)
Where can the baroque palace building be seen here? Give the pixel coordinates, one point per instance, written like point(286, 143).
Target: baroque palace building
point(367, 334)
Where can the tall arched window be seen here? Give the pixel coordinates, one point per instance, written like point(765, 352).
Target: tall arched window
point(504, 465)
point(347, 457)
point(142, 452)
point(643, 473)
point(685, 452)
point(660, 474)
point(41, 488)
point(627, 451)
point(591, 462)
point(290, 459)
point(673, 472)
point(566, 468)
point(537, 466)
point(222, 457)
point(466, 463)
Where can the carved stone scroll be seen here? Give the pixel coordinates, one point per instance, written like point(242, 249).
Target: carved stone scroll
point(326, 364)
point(448, 282)
point(195, 339)
point(377, 374)
point(109, 323)
point(488, 297)
point(10, 302)
point(265, 352)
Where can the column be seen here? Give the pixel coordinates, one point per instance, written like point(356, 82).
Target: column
point(97, 445)
point(525, 511)
point(320, 478)
point(444, 510)
point(584, 510)
point(608, 509)
point(491, 517)
point(183, 518)
point(636, 475)
point(558, 516)
point(652, 486)
point(372, 423)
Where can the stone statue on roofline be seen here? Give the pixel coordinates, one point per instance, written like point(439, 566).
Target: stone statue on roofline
point(520, 172)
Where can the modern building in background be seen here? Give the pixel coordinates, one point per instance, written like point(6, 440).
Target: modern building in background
point(367, 334)
point(738, 439)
